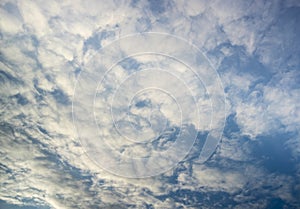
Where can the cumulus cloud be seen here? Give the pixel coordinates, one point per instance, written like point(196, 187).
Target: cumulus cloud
point(47, 46)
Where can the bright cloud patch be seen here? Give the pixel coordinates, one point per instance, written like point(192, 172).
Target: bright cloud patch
point(138, 89)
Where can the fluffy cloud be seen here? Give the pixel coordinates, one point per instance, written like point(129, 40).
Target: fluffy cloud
point(45, 48)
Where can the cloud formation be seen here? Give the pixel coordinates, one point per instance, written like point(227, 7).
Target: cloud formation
point(47, 46)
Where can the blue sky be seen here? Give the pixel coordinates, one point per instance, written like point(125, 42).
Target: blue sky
point(70, 76)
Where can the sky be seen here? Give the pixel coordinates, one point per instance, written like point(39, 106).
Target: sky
point(149, 104)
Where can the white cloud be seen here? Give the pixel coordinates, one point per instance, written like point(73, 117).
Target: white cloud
point(266, 108)
point(33, 17)
point(46, 44)
point(217, 180)
point(9, 23)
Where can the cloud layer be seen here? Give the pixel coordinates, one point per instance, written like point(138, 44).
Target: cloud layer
point(47, 46)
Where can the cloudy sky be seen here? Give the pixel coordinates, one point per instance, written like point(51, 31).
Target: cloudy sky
point(149, 104)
